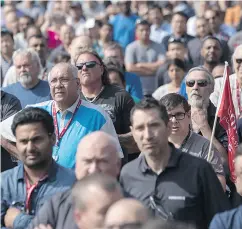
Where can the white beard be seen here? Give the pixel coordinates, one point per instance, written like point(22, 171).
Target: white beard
point(25, 79)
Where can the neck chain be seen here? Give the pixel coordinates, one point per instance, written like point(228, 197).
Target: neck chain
point(93, 100)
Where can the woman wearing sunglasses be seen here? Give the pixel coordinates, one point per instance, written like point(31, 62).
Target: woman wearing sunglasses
point(176, 71)
point(96, 88)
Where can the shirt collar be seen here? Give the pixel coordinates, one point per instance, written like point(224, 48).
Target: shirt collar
point(71, 108)
point(173, 160)
point(51, 173)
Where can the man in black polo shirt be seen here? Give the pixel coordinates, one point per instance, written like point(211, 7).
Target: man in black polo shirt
point(174, 185)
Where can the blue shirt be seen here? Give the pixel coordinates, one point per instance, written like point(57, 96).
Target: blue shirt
point(13, 189)
point(228, 220)
point(124, 29)
point(133, 85)
point(88, 118)
point(183, 91)
point(37, 94)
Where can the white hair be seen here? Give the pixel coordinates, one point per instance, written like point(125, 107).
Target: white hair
point(28, 52)
point(235, 51)
point(207, 73)
point(72, 68)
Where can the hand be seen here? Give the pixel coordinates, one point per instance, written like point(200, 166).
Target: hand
point(42, 226)
point(199, 117)
point(10, 216)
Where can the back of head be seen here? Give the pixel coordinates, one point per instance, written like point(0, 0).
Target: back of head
point(117, 214)
point(82, 188)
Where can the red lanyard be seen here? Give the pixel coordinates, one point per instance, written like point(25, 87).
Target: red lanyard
point(29, 189)
point(238, 97)
point(59, 136)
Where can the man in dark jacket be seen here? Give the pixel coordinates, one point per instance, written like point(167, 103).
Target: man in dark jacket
point(96, 153)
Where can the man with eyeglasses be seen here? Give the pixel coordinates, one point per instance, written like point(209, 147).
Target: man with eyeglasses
point(183, 138)
point(126, 213)
point(73, 117)
point(172, 184)
point(199, 86)
point(235, 83)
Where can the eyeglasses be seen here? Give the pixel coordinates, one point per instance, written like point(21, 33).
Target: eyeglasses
point(162, 212)
point(178, 40)
point(200, 83)
point(63, 81)
point(238, 61)
point(125, 226)
point(89, 64)
point(177, 116)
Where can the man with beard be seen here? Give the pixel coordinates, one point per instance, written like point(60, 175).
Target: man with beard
point(235, 83)
point(211, 53)
point(26, 187)
point(29, 89)
point(199, 86)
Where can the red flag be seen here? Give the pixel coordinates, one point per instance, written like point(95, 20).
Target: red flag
point(228, 121)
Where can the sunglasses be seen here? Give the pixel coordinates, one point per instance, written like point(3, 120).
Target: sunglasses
point(238, 61)
point(200, 83)
point(89, 64)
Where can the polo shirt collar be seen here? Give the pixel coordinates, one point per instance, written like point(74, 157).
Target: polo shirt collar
point(173, 160)
point(71, 108)
point(51, 173)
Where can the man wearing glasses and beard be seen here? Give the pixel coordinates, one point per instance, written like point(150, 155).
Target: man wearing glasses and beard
point(199, 86)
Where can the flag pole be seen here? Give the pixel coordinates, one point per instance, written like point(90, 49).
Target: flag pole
point(217, 109)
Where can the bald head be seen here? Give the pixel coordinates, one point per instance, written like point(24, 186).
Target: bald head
point(97, 152)
point(117, 214)
point(77, 44)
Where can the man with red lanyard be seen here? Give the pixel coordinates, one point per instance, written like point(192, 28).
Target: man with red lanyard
point(73, 118)
point(235, 83)
point(26, 187)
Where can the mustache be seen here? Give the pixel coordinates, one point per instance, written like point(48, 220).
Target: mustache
point(195, 93)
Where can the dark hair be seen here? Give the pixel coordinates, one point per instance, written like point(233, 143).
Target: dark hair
point(101, 181)
point(5, 32)
point(105, 23)
point(105, 79)
point(179, 63)
point(172, 100)
point(113, 65)
point(211, 38)
point(30, 18)
point(62, 57)
point(147, 104)
point(155, 6)
point(33, 115)
point(38, 36)
point(238, 151)
point(180, 13)
point(141, 22)
point(173, 40)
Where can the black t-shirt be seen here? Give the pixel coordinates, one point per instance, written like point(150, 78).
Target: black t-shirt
point(9, 106)
point(118, 104)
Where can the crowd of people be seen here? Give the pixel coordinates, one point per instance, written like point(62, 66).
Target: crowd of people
point(108, 109)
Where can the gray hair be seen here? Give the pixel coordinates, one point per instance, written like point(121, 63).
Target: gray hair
point(73, 69)
point(207, 73)
point(28, 52)
point(235, 51)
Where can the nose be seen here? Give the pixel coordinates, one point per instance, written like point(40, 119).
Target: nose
point(30, 146)
point(93, 168)
point(147, 134)
point(173, 119)
point(195, 86)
